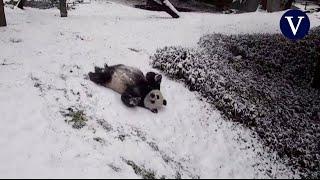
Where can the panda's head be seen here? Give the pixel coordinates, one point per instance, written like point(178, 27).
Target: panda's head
point(154, 100)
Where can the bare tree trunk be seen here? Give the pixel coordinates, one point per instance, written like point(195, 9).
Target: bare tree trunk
point(288, 4)
point(164, 5)
point(170, 9)
point(263, 3)
point(2, 15)
point(273, 5)
point(63, 8)
point(21, 4)
point(316, 78)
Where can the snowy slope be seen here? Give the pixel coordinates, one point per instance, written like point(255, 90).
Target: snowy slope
point(43, 65)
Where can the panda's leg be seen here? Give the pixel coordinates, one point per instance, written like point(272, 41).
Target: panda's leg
point(154, 110)
point(98, 76)
point(130, 98)
point(154, 80)
point(101, 76)
point(106, 66)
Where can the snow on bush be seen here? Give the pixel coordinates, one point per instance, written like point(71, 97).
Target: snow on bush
point(262, 81)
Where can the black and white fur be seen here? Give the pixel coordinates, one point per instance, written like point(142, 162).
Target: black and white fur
point(135, 88)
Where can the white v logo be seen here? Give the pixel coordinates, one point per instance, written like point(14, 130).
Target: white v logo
point(294, 29)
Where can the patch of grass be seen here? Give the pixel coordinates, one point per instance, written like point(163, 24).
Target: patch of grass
point(105, 125)
point(113, 167)
point(77, 118)
point(122, 137)
point(141, 171)
point(99, 140)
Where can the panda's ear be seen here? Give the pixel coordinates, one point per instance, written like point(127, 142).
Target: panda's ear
point(158, 78)
point(164, 102)
point(150, 76)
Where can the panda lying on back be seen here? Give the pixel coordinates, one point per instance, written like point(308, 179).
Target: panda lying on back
point(135, 88)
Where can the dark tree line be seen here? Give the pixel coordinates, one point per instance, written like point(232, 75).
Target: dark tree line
point(269, 5)
point(2, 15)
point(21, 4)
point(63, 8)
point(165, 5)
point(288, 4)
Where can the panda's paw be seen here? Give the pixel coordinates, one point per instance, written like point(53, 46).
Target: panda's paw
point(154, 110)
point(134, 101)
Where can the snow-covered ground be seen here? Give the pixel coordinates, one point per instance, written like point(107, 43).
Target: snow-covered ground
point(44, 60)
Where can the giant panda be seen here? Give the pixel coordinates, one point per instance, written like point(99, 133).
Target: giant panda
point(135, 88)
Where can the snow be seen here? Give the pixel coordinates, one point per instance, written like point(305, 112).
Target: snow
point(44, 61)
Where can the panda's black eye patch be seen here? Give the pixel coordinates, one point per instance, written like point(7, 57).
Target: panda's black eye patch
point(158, 97)
point(152, 95)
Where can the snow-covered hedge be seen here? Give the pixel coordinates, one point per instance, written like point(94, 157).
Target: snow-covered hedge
point(262, 81)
